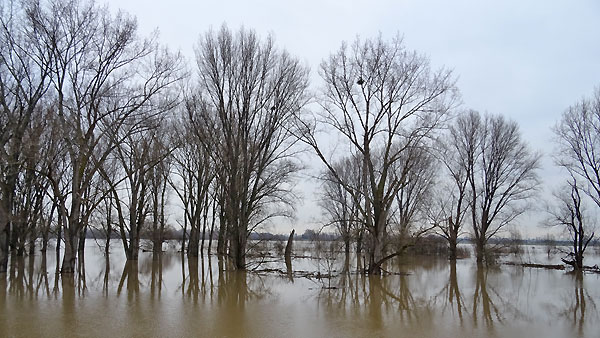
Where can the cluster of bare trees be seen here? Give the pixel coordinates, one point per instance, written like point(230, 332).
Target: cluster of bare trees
point(98, 130)
point(100, 127)
point(81, 95)
point(413, 166)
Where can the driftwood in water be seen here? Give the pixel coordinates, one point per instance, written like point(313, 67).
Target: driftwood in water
point(288, 247)
point(288, 256)
point(542, 266)
point(593, 269)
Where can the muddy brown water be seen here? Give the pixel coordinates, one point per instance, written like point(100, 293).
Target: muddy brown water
point(171, 297)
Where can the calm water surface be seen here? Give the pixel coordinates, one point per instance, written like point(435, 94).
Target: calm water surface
point(171, 297)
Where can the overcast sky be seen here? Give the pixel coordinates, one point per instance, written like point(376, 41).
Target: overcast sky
point(528, 60)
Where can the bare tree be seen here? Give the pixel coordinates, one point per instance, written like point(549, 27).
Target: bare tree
point(578, 134)
point(570, 213)
point(338, 205)
point(138, 155)
point(158, 176)
point(193, 177)
point(408, 220)
point(458, 151)
point(503, 176)
point(250, 93)
point(381, 100)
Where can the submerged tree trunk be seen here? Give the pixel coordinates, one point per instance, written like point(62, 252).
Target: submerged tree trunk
point(193, 241)
point(134, 248)
point(347, 246)
point(376, 250)
point(82, 236)
point(45, 239)
point(221, 245)
point(375, 256)
point(4, 243)
point(359, 243)
point(58, 236)
point(479, 250)
point(289, 245)
point(183, 236)
point(452, 248)
point(237, 248)
point(212, 229)
point(32, 238)
point(70, 256)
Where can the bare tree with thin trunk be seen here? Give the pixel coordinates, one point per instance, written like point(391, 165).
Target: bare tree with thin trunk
point(249, 93)
point(193, 177)
point(159, 176)
point(578, 134)
point(138, 155)
point(380, 100)
point(570, 213)
point(578, 137)
point(338, 205)
point(408, 221)
point(502, 179)
point(458, 152)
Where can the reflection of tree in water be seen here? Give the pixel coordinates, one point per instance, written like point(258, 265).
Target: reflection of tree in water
point(27, 280)
point(577, 303)
point(488, 303)
point(378, 296)
point(200, 278)
point(156, 282)
point(228, 287)
point(226, 291)
point(451, 295)
point(199, 281)
point(483, 305)
point(17, 276)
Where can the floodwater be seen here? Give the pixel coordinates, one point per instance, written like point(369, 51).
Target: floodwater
point(171, 297)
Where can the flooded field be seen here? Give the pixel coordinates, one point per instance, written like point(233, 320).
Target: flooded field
point(320, 295)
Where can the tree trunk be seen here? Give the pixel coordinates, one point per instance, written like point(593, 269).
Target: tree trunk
point(212, 230)
point(59, 235)
point(134, 248)
point(107, 246)
point(579, 261)
point(183, 237)
point(82, 236)
point(202, 238)
point(193, 241)
point(347, 245)
point(44, 243)
point(238, 248)
point(4, 241)
point(376, 253)
point(32, 239)
point(452, 249)
point(108, 232)
point(204, 223)
point(70, 257)
point(480, 250)
point(221, 245)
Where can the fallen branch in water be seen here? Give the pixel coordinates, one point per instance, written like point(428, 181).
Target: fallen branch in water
point(539, 266)
point(592, 269)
